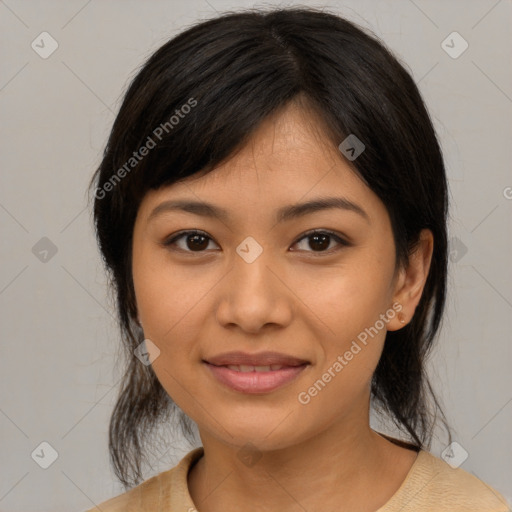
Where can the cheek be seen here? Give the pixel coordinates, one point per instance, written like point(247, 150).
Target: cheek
point(166, 294)
point(349, 297)
point(169, 303)
point(351, 350)
point(349, 301)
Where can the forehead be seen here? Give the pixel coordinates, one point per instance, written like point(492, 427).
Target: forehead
point(288, 159)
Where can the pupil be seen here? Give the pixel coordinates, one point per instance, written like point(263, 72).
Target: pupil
point(322, 243)
point(195, 245)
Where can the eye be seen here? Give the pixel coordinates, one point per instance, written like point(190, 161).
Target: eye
point(198, 241)
point(194, 241)
point(320, 241)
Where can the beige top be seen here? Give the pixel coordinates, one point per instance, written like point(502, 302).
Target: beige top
point(431, 485)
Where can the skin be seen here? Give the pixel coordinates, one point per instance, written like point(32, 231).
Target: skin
point(294, 298)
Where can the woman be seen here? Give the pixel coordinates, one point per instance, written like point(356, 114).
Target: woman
point(271, 207)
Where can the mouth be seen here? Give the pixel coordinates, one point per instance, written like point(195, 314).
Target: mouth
point(253, 379)
point(260, 362)
point(245, 368)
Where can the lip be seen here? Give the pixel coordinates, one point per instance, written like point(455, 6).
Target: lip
point(258, 359)
point(255, 382)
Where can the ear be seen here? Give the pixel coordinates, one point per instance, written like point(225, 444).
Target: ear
point(411, 281)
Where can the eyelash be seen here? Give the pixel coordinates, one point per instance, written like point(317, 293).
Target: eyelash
point(183, 234)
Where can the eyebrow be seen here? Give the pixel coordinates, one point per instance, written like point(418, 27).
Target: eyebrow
point(284, 213)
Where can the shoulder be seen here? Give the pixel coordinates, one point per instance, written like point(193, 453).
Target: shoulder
point(433, 485)
point(160, 492)
point(144, 496)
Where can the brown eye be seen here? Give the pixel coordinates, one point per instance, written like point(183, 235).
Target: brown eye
point(190, 241)
point(320, 241)
point(196, 242)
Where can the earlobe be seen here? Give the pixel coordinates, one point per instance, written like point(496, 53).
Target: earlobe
point(399, 320)
point(412, 279)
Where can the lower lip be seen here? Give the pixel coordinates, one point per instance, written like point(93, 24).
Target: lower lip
point(255, 382)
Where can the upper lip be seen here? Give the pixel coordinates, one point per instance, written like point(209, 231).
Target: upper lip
point(259, 359)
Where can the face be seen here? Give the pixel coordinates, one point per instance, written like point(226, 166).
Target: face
point(255, 281)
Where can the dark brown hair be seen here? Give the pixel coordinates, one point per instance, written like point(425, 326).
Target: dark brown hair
point(196, 101)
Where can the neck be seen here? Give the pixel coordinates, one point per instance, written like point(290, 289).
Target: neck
point(337, 466)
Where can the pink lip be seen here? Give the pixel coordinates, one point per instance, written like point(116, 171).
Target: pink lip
point(255, 382)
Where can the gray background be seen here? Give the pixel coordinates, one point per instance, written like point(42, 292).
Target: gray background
point(59, 339)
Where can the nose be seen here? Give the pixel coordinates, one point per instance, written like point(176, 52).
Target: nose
point(254, 294)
